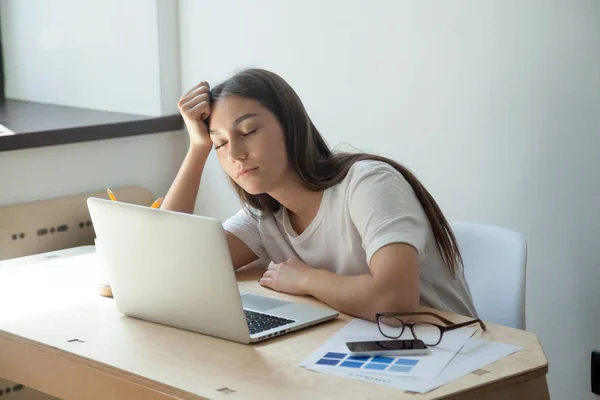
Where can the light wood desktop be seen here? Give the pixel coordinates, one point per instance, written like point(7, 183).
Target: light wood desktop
point(58, 336)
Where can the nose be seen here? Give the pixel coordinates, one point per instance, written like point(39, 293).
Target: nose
point(237, 151)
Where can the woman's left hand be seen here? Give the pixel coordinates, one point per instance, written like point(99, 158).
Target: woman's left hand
point(288, 277)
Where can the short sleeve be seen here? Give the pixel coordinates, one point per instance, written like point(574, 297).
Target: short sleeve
point(245, 227)
point(385, 210)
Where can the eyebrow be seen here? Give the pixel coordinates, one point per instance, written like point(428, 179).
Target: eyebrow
point(237, 121)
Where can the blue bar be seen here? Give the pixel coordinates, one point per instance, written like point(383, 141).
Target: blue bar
point(335, 355)
point(325, 361)
point(398, 368)
point(378, 367)
point(406, 361)
point(352, 364)
point(385, 360)
point(361, 359)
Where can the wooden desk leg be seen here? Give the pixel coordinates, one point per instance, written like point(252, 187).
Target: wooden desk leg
point(535, 389)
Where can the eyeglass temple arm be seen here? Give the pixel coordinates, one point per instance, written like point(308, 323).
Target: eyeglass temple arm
point(467, 323)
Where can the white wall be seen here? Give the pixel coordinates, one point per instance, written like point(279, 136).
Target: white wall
point(103, 54)
point(494, 104)
point(150, 161)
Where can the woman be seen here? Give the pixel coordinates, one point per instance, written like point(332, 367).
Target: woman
point(356, 231)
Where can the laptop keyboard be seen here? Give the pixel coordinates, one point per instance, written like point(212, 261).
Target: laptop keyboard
point(258, 322)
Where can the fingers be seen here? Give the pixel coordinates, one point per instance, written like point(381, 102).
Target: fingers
point(195, 104)
point(263, 274)
point(201, 84)
point(200, 111)
point(268, 282)
point(203, 90)
point(268, 279)
point(195, 101)
point(269, 274)
point(193, 97)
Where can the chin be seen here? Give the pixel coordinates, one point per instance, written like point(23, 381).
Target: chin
point(253, 188)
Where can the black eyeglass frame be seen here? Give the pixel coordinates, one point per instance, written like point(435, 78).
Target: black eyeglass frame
point(450, 326)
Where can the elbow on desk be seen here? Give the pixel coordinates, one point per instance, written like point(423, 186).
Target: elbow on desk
point(396, 302)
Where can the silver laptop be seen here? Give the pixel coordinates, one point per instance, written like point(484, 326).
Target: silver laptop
point(175, 269)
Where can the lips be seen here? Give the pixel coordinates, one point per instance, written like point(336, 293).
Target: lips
point(244, 171)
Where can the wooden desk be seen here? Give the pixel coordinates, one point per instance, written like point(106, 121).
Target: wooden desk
point(45, 306)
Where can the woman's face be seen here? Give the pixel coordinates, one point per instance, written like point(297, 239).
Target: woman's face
point(249, 142)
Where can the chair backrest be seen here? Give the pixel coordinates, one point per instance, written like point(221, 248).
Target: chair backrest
point(495, 261)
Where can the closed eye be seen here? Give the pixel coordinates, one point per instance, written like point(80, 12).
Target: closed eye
point(217, 147)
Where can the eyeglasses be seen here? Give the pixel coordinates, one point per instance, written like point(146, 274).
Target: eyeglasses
point(392, 325)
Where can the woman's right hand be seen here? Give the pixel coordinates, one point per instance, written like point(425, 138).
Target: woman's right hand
point(194, 107)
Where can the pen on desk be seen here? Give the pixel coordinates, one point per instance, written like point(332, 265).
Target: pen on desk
point(111, 194)
point(157, 202)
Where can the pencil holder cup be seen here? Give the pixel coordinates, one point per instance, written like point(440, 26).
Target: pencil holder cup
point(102, 270)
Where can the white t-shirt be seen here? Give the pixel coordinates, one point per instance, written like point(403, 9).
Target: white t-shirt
point(371, 207)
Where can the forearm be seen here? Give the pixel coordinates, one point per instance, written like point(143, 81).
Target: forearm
point(361, 295)
point(184, 190)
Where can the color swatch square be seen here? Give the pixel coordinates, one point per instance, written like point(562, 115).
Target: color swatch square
point(352, 364)
point(326, 361)
point(361, 359)
point(384, 360)
point(339, 356)
point(407, 361)
point(400, 368)
point(375, 366)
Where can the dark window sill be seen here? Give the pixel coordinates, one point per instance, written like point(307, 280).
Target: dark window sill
point(27, 125)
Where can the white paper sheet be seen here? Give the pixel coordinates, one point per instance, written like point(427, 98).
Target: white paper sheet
point(334, 356)
point(474, 355)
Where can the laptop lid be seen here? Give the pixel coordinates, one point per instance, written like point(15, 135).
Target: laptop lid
point(171, 268)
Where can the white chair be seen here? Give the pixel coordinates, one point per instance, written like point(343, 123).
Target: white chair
point(495, 261)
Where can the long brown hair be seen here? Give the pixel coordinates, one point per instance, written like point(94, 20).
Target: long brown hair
point(311, 158)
